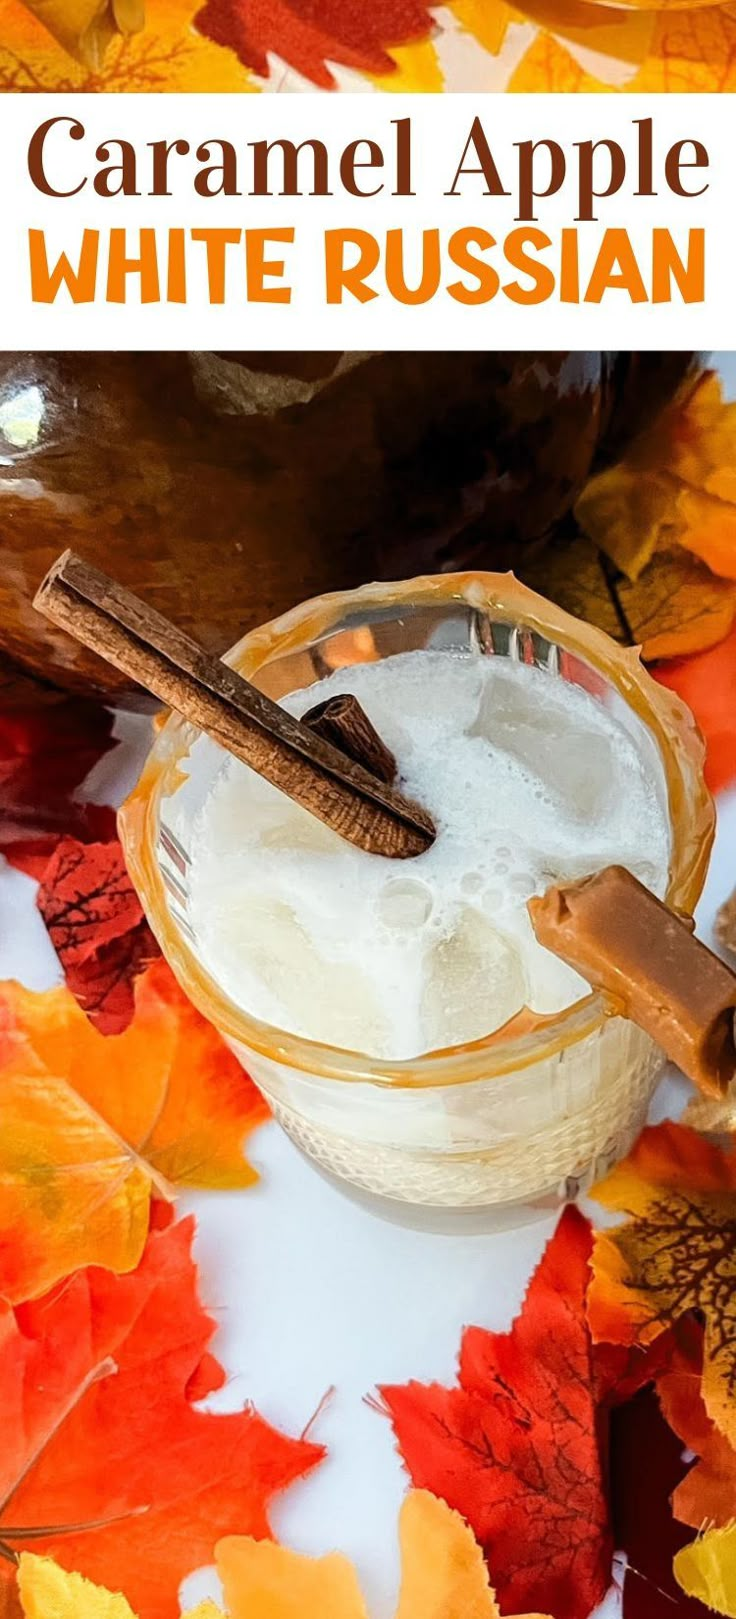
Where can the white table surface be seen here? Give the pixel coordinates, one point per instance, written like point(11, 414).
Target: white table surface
point(314, 1293)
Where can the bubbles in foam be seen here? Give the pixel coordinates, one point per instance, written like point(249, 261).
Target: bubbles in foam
point(529, 781)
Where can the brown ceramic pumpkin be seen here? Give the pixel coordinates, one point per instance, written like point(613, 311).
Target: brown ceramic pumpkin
point(224, 488)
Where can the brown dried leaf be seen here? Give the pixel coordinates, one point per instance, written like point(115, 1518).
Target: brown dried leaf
point(676, 606)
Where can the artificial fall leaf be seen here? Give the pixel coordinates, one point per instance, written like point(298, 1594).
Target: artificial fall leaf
point(675, 607)
point(676, 485)
point(707, 683)
point(97, 927)
point(85, 27)
point(706, 1569)
point(515, 1447)
point(646, 1465)
point(167, 55)
point(262, 1581)
point(488, 25)
point(548, 66)
point(416, 68)
point(676, 1252)
point(443, 1572)
point(90, 1123)
point(98, 1422)
point(652, 48)
point(48, 744)
point(49, 1592)
point(690, 50)
point(309, 34)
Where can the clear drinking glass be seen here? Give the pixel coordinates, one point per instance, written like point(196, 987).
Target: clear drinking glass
point(528, 1116)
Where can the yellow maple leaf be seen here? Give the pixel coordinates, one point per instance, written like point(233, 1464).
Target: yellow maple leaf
point(167, 55)
point(488, 24)
point(675, 486)
point(90, 1123)
point(443, 1577)
point(548, 66)
point(417, 69)
point(48, 1592)
point(707, 1570)
point(644, 47)
point(675, 1253)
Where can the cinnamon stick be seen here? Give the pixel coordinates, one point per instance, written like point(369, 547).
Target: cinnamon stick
point(647, 962)
point(343, 721)
point(313, 772)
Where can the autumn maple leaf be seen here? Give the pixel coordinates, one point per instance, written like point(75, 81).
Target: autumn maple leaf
point(653, 47)
point(90, 1123)
point(310, 34)
point(516, 1447)
point(674, 485)
point(97, 927)
point(442, 1577)
point(96, 1387)
point(48, 744)
point(167, 54)
point(706, 1569)
point(674, 607)
point(675, 1253)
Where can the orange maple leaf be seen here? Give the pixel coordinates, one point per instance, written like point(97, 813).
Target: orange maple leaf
point(168, 54)
point(89, 1123)
point(98, 1384)
point(692, 50)
point(675, 1253)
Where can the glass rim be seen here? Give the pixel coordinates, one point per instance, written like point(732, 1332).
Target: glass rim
point(667, 719)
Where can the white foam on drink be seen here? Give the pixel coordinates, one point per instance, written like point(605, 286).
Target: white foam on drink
point(529, 781)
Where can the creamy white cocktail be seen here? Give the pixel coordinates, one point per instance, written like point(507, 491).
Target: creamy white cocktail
point(529, 782)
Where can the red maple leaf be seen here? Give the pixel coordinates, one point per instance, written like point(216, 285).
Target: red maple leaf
point(97, 927)
point(97, 1381)
point(48, 744)
point(516, 1447)
point(309, 34)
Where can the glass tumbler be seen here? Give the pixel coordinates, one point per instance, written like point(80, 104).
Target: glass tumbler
point(529, 1116)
